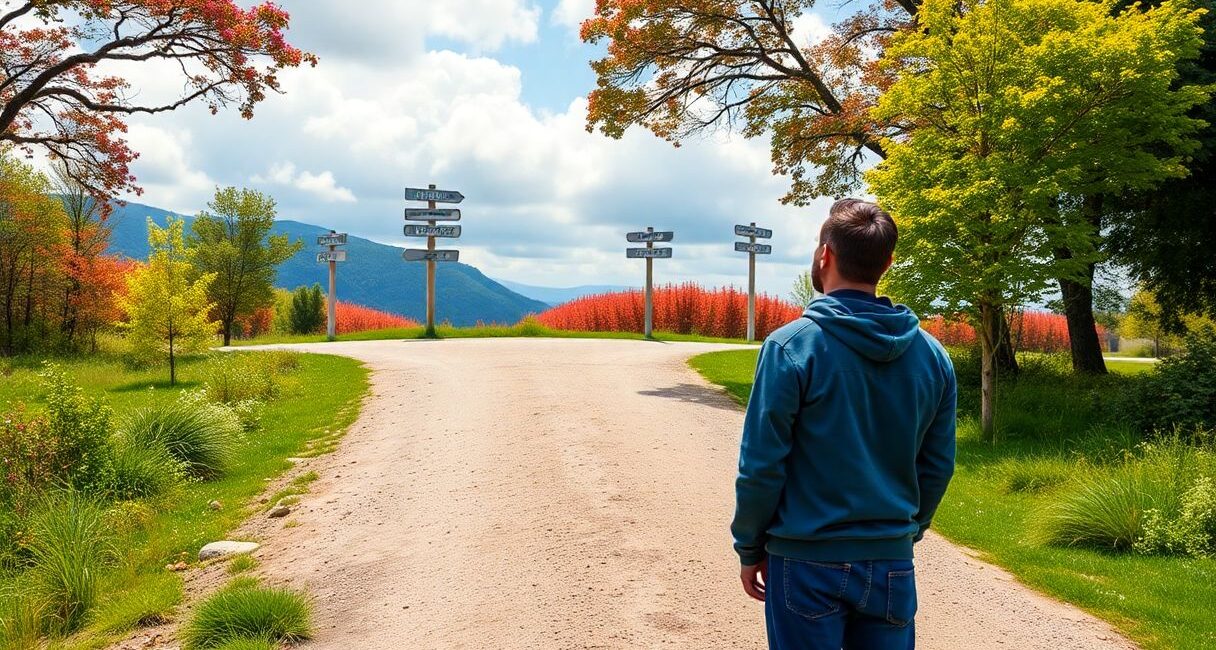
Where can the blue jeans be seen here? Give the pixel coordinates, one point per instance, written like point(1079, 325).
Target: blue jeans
point(866, 605)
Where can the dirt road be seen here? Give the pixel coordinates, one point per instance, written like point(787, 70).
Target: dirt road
point(531, 493)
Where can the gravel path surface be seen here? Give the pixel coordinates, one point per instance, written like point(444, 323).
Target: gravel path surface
point(536, 493)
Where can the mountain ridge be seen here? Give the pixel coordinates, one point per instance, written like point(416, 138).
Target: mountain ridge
point(375, 276)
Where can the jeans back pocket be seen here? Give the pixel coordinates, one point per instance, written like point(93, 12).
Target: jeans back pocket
point(901, 597)
point(814, 589)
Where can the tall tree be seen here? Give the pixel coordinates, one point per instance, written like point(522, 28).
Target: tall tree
point(31, 228)
point(1010, 105)
point(55, 92)
point(86, 238)
point(166, 302)
point(232, 242)
point(682, 67)
point(1165, 236)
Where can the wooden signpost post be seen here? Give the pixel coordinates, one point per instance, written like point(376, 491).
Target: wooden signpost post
point(431, 215)
point(332, 256)
point(752, 249)
point(650, 254)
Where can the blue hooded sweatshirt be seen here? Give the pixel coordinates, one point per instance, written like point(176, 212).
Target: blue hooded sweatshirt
point(848, 444)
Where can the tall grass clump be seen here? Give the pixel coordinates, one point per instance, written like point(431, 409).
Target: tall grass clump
point(150, 601)
point(245, 612)
point(1158, 500)
point(20, 620)
point(195, 432)
point(69, 546)
point(1036, 474)
point(143, 471)
point(233, 378)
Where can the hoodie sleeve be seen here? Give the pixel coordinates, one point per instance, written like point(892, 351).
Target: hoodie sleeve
point(767, 438)
point(935, 461)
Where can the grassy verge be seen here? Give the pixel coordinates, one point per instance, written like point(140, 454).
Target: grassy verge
point(1055, 424)
point(318, 401)
point(525, 330)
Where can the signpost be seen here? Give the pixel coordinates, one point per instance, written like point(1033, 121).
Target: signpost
point(752, 249)
point(431, 215)
point(422, 255)
point(431, 231)
point(414, 214)
point(650, 254)
point(332, 256)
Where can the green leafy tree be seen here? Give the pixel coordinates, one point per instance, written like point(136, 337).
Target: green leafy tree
point(307, 310)
point(232, 241)
point(1014, 107)
point(166, 303)
point(803, 291)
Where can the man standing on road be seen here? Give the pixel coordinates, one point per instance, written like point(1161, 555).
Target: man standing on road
point(847, 449)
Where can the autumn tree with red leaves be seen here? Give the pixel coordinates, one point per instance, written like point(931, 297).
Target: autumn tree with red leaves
point(56, 92)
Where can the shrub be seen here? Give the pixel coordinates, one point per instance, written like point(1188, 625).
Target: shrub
point(1180, 391)
point(682, 309)
point(69, 546)
point(1192, 532)
point(356, 318)
point(144, 470)
point(307, 310)
point(80, 428)
point(244, 611)
point(197, 433)
point(235, 377)
point(1035, 474)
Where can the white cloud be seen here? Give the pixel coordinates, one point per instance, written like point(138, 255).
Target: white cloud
point(548, 203)
point(323, 186)
point(809, 29)
point(572, 13)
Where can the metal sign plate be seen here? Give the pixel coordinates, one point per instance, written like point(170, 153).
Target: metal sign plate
point(431, 215)
point(758, 249)
point(750, 231)
point(422, 255)
point(652, 253)
point(643, 237)
point(336, 239)
point(431, 231)
point(331, 256)
point(438, 196)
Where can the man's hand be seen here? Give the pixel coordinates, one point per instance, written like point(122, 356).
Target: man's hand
point(755, 579)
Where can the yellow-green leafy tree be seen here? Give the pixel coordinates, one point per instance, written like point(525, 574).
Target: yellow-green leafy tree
point(1146, 319)
point(1014, 109)
point(168, 313)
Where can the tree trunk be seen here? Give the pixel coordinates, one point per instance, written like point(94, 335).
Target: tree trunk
point(991, 323)
point(1078, 298)
point(1006, 357)
point(172, 364)
point(1082, 329)
point(227, 333)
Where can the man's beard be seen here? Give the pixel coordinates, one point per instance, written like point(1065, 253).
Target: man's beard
point(816, 279)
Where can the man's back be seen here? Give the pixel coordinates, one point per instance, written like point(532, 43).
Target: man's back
point(849, 439)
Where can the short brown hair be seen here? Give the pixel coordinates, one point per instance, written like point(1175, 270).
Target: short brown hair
point(862, 236)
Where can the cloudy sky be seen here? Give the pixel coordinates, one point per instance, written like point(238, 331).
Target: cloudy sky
point(486, 97)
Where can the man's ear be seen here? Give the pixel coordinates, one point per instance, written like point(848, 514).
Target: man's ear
point(890, 261)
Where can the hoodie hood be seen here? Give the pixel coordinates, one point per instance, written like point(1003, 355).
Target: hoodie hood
point(877, 332)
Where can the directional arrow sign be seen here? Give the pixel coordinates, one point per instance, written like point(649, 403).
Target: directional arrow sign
point(751, 231)
point(335, 239)
point(431, 231)
point(432, 215)
point(643, 237)
point(643, 253)
point(438, 196)
point(332, 256)
point(422, 255)
point(758, 249)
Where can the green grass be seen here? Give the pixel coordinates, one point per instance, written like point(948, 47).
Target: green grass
point(242, 563)
point(1052, 422)
point(521, 330)
point(317, 403)
point(244, 612)
point(1129, 367)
